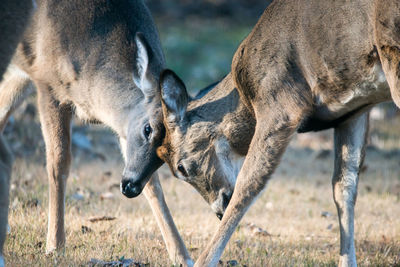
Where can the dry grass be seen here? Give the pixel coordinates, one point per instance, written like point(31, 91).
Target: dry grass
point(290, 210)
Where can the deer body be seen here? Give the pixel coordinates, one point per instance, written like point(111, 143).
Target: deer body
point(306, 66)
point(100, 59)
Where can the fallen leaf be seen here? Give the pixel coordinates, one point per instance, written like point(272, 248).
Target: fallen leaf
point(101, 218)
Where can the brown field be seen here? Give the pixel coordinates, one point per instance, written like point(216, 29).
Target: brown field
point(293, 223)
point(296, 214)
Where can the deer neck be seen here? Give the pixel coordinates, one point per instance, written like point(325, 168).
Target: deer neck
point(113, 102)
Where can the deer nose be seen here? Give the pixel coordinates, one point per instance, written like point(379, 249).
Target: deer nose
point(226, 197)
point(130, 189)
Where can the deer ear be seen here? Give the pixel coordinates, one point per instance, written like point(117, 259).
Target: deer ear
point(142, 75)
point(174, 96)
point(162, 152)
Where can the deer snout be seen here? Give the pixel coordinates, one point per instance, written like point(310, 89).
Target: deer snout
point(219, 206)
point(129, 188)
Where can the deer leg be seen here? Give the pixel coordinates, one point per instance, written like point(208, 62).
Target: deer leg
point(270, 139)
point(14, 88)
point(387, 36)
point(154, 194)
point(173, 241)
point(350, 139)
point(6, 160)
point(55, 119)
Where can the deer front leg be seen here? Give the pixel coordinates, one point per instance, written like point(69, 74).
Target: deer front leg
point(267, 146)
point(14, 88)
point(6, 160)
point(173, 241)
point(55, 119)
point(350, 139)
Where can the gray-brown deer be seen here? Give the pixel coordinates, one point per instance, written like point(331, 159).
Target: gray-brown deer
point(14, 16)
point(306, 66)
point(100, 59)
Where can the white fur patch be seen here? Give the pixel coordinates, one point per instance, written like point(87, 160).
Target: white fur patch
point(215, 206)
point(372, 89)
point(230, 161)
point(12, 68)
point(142, 63)
point(123, 144)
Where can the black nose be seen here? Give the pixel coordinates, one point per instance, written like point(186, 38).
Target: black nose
point(226, 197)
point(130, 189)
point(219, 215)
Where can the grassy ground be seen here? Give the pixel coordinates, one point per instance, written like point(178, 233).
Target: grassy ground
point(201, 52)
point(296, 210)
point(295, 214)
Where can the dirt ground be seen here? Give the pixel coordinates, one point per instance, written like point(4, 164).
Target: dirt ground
point(294, 222)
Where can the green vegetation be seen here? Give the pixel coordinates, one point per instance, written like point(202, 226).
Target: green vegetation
point(200, 52)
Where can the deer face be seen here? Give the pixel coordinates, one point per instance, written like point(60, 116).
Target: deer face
point(192, 147)
point(145, 129)
point(145, 134)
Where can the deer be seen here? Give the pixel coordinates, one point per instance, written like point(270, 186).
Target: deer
point(14, 16)
point(6, 160)
point(101, 61)
point(307, 65)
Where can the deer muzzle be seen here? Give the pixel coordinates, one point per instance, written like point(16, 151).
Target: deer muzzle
point(129, 188)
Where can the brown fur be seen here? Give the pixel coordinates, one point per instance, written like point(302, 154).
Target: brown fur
point(320, 62)
point(99, 59)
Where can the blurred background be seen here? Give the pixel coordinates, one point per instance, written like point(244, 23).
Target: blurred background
point(298, 225)
point(200, 37)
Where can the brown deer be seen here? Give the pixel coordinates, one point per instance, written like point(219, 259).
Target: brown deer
point(306, 66)
point(100, 59)
point(14, 16)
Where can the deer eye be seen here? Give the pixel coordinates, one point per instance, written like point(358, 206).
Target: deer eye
point(182, 170)
point(147, 131)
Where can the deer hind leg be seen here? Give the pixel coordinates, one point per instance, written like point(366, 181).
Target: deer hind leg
point(6, 160)
point(390, 59)
point(55, 119)
point(14, 88)
point(350, 139)
point(173, 241)
point(387, 35)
